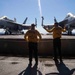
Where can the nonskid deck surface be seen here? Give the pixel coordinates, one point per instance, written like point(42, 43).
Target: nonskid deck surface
point(46, 66)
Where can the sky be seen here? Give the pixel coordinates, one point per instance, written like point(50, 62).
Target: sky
point(20, 9)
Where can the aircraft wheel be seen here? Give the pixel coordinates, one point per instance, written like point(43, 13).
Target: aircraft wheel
point(22, 32)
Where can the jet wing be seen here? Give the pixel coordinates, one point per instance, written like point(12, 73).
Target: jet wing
point(23, 26)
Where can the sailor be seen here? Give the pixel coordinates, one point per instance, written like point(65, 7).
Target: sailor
point(57, 32)
point(33, 36)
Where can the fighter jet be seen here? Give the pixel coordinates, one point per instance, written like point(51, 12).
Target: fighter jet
point(68, 23)
point(11, 26)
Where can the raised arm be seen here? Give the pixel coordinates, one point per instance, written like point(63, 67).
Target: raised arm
point(51, 30)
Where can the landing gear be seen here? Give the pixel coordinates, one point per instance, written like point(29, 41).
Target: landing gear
point(69, 32)
point(7, 32)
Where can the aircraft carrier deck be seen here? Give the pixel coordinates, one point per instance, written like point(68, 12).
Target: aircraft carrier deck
point(16, 45)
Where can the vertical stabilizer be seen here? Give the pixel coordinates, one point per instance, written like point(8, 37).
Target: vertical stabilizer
point(42, 20)
point(25, 20)
point(36, 22)
point(55, 21)
point(14, 19)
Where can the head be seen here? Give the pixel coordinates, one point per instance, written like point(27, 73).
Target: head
point(33, 26)
point(56, 24)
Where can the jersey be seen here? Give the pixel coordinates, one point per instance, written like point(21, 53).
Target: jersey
point(57, 31)
point(32, 36)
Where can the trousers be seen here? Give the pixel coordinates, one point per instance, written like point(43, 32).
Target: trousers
point(33, 50)
point(57, 48)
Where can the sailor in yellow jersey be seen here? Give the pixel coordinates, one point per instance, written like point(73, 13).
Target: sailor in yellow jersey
point(33, 36)
point(57, 32)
